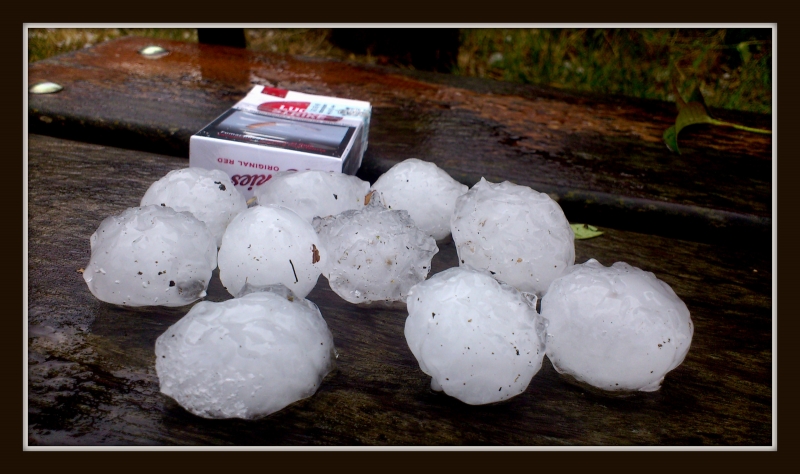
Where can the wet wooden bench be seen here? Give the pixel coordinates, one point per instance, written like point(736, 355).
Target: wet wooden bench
point(701, 221)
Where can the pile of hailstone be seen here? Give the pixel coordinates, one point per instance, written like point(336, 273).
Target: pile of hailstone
point(247, 357)
point(473, 329)
point(617, 328)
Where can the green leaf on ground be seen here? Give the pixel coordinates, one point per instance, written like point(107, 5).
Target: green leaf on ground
point(585, 231)
point(695, 112)
point(691, 113)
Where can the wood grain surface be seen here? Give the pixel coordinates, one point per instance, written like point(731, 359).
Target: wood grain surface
point(91, 370)
point(602, 157)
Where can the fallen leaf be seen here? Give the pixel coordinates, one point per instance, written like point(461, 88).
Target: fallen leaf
point(585, 231)
point(695, 112)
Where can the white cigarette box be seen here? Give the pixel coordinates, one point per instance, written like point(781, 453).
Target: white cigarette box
point(273, 130)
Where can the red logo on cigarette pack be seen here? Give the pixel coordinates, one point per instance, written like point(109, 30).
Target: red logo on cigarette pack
point(295, 109)
point(275, 91)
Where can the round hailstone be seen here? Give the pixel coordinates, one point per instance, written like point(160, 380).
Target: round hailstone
point(207, 194)
point(246, 357)
point(480, 340)
point(423, 189)
point(616, 328)
point(151, 256)
point(518, 234)
point(314, 193)
point(266, 245)
point(374, 253)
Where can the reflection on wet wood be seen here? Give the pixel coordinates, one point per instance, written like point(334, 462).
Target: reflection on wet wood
point(603, 157)
point(91, 368)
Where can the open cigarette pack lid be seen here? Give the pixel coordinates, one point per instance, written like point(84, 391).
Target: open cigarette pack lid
point(273, 130)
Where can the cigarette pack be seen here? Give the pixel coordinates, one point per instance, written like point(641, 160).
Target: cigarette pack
point(273, 130)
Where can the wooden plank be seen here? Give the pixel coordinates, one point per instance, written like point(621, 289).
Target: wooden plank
point(91, 365)
point(602, 157)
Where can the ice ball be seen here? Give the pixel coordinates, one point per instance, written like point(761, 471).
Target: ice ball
point(208, 194)
point(616, 328)
point(151, 256)
point(423, 189)
point(480, 340)
point(374, 254)
point(246, 357)
point(267, 245)
point(314, 193)
point(520, 235)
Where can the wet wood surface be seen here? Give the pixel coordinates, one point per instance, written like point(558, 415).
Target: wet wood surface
point(602, 157)
point(91, 370)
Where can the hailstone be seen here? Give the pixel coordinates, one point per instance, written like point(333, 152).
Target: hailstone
point(267, 245)
point(423, 189)
point(374, 253)
point(208, 194)
point(151, 256)
point(246, 357)
point(521, 236)
point(480, 340)
point(314, 193)
point(616, 328)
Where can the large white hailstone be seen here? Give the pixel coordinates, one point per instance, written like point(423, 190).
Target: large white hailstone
point(518, 234)
point(207, 194)
point(480, 340)
point(266, 245)
point(374, 254)
point(246, 357)
point(423, 189)
point(616, 328)
point(151, 256)
point(314, 193)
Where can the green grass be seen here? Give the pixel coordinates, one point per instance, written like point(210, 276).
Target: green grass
point(46, 42)
point(732, 68)
point(636, 62)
